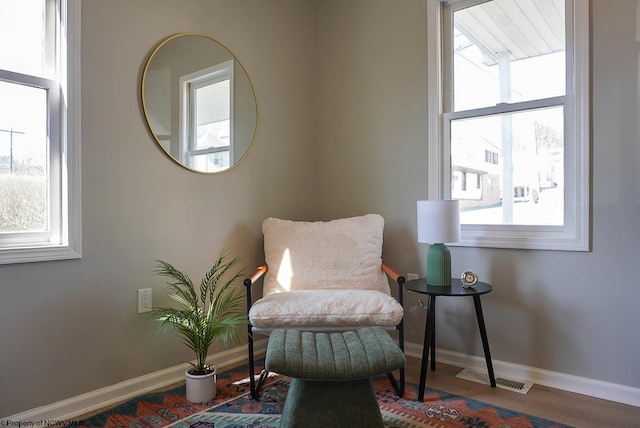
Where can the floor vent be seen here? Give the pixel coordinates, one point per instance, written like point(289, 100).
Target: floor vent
point(511, 385)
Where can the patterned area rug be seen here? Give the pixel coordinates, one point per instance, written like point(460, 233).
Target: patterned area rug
point(233, 408)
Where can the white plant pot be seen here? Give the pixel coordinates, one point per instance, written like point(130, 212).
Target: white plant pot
point(201, 388)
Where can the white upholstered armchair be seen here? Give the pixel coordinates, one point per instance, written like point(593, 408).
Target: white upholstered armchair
point(324, 276)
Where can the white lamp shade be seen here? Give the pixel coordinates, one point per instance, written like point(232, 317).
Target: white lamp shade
point(438, 221)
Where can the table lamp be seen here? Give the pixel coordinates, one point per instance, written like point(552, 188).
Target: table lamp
point(438, 223)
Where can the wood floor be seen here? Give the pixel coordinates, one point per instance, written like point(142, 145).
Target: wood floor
point(560, 406)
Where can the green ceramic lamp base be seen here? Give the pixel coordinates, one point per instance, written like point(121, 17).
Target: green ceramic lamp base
point(438, 265)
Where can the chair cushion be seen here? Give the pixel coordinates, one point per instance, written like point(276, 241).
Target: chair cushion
point(325, 308)
point(338, 254)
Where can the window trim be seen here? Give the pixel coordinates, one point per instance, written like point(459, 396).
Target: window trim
point(574, 235)
point(188, 110)
point(65, 160)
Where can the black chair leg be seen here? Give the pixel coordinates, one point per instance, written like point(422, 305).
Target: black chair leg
point(401, 345)
point(252, 380)
point(261, 379)
point(398, 387)
point(253, 385)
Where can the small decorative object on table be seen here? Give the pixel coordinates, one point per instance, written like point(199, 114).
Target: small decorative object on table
point(469, 278)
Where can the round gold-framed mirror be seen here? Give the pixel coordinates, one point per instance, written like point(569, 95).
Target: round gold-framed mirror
point(199, 102)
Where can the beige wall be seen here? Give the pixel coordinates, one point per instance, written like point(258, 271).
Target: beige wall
point(71, 327)
point(341, 97)
point(567, 312)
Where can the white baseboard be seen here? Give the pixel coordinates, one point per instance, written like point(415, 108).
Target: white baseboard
point(65, 410)
point(580, 385)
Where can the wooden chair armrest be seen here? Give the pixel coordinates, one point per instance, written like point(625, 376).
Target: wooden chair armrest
point(399, 279)
point(393, 274)
point(255, 275)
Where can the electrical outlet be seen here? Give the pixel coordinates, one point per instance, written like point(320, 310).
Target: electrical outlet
point(144, 300)
point(412, 276)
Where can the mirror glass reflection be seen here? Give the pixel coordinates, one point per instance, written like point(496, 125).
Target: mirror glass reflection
point(199, 102)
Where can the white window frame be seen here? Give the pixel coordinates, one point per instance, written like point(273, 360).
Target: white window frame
point(574, 234)
point(63, 241)
point(188, 85)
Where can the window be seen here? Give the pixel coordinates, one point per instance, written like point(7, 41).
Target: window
point(491, 157)
point(39, 130)
point(207, 118)
point(510, 82)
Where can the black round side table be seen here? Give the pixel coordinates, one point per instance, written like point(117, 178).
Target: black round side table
point(454, 290)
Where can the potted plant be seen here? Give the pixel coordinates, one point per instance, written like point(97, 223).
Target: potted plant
point(202, 317)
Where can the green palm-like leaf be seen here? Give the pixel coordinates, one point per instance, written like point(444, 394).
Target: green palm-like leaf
point(213, 314)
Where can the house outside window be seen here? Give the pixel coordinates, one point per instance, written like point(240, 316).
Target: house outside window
point(39, 130)
point(512, 114)
point(491, 157)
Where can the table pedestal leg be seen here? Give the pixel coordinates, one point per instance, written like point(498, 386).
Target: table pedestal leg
point(429, 334)
point(485, 341)
point(433, 335)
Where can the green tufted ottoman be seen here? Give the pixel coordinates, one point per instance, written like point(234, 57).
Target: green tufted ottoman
point(331, 375)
